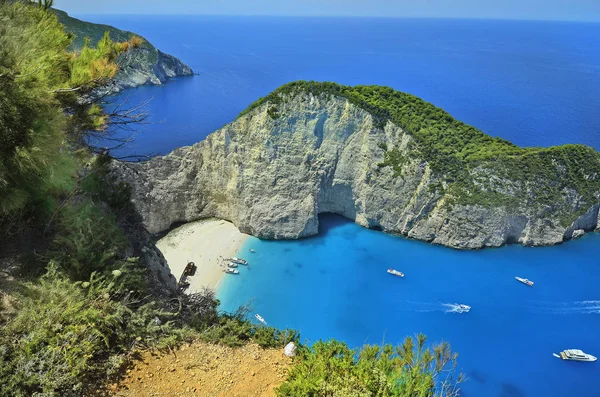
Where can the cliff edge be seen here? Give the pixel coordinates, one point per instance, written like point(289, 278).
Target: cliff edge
point(139, 66)
point(385, 159)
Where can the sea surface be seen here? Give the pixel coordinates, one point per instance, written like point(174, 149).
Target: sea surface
point(335, 285)
point(534, 83)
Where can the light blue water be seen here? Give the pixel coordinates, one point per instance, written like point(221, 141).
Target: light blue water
point(335, 285)
point(534, 83)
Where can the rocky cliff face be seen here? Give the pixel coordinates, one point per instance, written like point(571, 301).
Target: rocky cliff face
point(273, 176)
point(139, 66)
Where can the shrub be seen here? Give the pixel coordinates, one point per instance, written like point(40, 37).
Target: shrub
point(333, 369)
point(87, 240)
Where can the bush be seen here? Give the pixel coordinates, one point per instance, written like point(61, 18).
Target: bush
point(66, 333)
point(87, 240)
point(333, 369)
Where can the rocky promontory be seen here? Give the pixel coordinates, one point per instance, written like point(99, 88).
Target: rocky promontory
point(138, 66)
point(385, 159)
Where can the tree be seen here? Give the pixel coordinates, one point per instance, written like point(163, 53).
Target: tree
point(47, 107)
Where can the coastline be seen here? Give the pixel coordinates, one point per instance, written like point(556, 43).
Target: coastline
point(206, 243)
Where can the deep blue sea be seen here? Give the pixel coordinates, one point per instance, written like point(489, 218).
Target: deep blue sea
point(534, 83)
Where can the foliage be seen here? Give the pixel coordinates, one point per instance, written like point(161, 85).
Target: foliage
point(87, 240)
point(42, 114)
point(411, 370)
point(234, 330)
point(65, 333)
point(462, 156)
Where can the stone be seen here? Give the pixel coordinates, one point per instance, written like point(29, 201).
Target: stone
point(138, 66)
point(273, 177)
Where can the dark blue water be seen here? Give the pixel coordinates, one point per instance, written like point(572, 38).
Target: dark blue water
point(534, 83)
point(336, 285)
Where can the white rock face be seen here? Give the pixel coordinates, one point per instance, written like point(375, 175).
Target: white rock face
point(273, 177)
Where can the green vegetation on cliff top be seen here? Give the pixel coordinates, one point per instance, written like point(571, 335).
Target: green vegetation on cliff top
point(93, 31)
point(458, 153)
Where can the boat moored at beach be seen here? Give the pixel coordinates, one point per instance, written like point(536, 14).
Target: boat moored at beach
point(239, 261)
point(395, 272)
point(575, 355)
point(232, 265)
point(525, 281)
point(232, 271)
point(259, 318)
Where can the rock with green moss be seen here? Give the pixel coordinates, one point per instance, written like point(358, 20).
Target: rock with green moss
point(385, 159)
point(142, 65)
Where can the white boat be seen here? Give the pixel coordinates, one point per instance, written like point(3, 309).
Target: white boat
point(463, 308)
point(525, 281)
point(395, 272)
point(575, 355)
point(239, 261)
point(232, 271)
point(252, 250)
point(231, 265)
point(259, 318)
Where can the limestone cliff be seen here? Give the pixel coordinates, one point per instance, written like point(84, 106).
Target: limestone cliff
point(139, 66)
point(301, 153)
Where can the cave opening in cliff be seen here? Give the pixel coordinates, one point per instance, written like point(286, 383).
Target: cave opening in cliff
point(329, 221)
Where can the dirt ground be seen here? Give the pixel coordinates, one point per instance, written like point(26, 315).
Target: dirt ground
point(202, 369)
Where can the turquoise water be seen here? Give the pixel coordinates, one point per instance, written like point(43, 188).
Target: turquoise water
point(335, 285)
point(534, 83)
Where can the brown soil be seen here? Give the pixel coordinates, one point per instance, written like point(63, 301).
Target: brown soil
point(203, 369)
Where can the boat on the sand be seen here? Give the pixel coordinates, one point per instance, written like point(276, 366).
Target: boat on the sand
point(232, 271)
point(239, 261)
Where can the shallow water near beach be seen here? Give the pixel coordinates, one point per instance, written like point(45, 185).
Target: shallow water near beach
point(335, 285)
point(534, 83)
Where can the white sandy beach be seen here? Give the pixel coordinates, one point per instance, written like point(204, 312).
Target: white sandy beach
point(205, 243)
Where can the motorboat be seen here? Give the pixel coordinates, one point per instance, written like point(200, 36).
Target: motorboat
point(232, 265)
point(252, 250)
point(239, 261)
point(232, 271)
point(463, 308)
point(575, 355)
point(525, 281)
point(395, 272)
point(259, 318)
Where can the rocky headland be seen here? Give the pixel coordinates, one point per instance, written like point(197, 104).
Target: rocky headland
point(139, 66)
point(384, 159)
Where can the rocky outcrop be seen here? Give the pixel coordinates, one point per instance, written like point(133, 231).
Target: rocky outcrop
point(139, 66)
point(272, 177)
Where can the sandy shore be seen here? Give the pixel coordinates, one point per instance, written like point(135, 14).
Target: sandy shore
point(205, 243)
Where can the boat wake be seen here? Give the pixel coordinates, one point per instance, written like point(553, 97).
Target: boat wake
point(426, 307)
point(576, 307)
point(455, 308)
